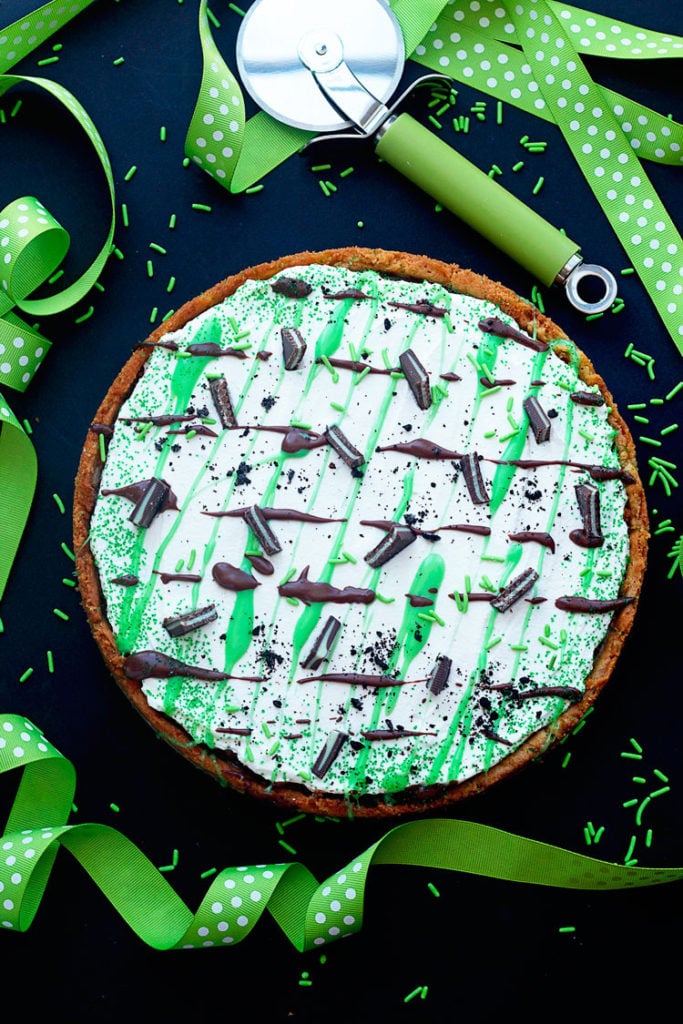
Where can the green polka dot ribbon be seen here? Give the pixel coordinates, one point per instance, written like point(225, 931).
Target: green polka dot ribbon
point(526, 54)
point(310, 914)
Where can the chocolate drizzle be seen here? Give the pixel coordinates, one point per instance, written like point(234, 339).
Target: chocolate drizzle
point(356, 679)
point(576, 603)
point(292, 287)
point(532, 536)
point(494, 325)
point(155, 664)
point(213, 351)
point(312, 591)
point(136, 491)
point(230, 577)
point(423, 307)
point(587, 398)
point(421, 448)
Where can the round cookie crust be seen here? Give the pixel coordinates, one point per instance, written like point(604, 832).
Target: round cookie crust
point(226, 767)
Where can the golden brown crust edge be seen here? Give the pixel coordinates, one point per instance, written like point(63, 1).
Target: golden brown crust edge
point(230, 773)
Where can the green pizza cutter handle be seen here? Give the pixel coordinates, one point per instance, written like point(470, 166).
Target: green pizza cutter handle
point(496, 214)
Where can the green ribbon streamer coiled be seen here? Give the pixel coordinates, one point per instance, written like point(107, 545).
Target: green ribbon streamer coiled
point(311, 914)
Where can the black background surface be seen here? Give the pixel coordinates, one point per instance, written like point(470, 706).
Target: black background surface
point(484, 948)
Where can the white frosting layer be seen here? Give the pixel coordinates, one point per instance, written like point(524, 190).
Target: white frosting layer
point(284, 723)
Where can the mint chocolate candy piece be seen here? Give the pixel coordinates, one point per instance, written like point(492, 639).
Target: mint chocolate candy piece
point(343, 447)
point(438, 677)
point(538, 419)
point(329, 753)
point(516, 589)
point(322, 645)
point(255, 518)
point(150, 502)
point(293, 347)
point(181, 625)
point(417, 378)
point(475, 482)
point(221, 399)
point(396, 539)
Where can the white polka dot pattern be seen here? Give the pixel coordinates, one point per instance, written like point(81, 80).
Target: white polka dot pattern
point(606, 133)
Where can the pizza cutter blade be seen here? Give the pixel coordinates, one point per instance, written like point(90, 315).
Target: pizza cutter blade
point(331, 65)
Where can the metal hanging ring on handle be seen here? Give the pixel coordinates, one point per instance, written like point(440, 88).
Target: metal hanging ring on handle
point(584, 272)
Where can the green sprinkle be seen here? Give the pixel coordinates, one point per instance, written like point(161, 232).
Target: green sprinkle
point(154, 314)
point(118, 61)
point(363, 373)
point(150, 268)
point(499, 112)
point(212, 18)
point(171, 284)
point(433, 889)
point(47, 60)
point(287, 847)
point(202, 207)
point(60, 614)
point(437, 124)
point(627, 270)
point(674, 391)
point(253, 189)
point(594, 316)
point(157, 248)
point(68, 582)
point(660, 775)
point(103, 450)
point(50, 662)
point(639, 812)
point(2, 626)
point(208, 873)
point(328, 365)
point(566, 929)
point(321, 167)
point(172, 221)
point(492, 643)
point(345, 173)
point(630, 803)
point(411, 995)
point(115, 808)
point(323, 188)
point(360, 224)
point(383, 599)
point(25, 675)
point(58, 502)
point(129, 173)
point(629, 854)
point(236, 9)
point(186, 161)
point(124, 215)
point(337, 407)
point(669, 430)
point(519, 647)
point(518, 166)
point(85, 316)
point(660, 792)
point(630, 757)
point(66, 549)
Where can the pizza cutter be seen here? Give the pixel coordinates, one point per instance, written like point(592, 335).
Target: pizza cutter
point(328, 65)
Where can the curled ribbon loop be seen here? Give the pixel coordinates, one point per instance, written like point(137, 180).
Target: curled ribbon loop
point(310, 914)
point(32, 245)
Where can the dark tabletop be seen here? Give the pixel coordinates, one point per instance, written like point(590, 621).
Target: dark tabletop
point(482, 947)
